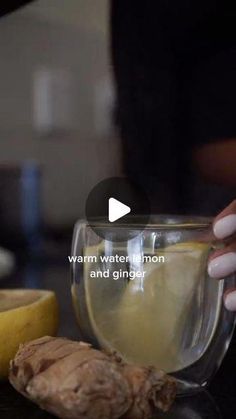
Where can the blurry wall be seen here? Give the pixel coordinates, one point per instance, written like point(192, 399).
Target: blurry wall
point(71, 36)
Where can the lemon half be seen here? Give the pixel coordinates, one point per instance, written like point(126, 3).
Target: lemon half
point(24, 315)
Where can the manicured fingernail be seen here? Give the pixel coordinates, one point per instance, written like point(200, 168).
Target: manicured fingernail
point(230, 301)
point(222, 266)
point(225, 226)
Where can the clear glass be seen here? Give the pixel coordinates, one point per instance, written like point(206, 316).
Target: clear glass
point(149, 296)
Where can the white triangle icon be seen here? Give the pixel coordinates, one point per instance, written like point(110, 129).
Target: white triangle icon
point(116, 210)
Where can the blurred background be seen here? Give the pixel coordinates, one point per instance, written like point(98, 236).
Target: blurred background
point(56, 114)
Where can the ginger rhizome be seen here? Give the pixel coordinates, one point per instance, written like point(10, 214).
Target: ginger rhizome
point(74, 381)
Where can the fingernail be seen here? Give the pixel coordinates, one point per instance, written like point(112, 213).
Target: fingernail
point(230, 301)
point(222, 266)
point(225, 226)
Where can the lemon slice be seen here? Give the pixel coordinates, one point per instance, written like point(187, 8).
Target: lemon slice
point(24, 315)
point(144, 319)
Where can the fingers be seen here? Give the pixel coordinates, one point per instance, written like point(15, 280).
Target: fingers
point(230, 300)
point(225, 222)
point(222, 263)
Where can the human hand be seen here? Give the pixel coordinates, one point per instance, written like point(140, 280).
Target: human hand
point(223, 261)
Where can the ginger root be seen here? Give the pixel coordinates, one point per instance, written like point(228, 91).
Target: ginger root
point(74, 381)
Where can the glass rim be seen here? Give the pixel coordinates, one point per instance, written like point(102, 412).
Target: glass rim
point(161, 221)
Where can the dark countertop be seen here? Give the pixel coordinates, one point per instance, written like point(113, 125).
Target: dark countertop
point(54, 273)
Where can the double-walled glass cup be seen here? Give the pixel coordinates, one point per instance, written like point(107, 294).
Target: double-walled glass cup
point(145, 293)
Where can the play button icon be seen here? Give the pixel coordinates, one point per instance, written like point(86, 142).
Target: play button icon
point(114, 205)
point(117, 210)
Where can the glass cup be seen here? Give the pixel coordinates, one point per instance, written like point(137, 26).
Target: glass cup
point(145, 293)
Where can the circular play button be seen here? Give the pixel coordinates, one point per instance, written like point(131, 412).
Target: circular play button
point(117, 209)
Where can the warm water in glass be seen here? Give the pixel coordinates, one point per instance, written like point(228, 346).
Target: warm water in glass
point(151, 298)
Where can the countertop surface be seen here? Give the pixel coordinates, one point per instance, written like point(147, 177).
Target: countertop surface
point(54, 273)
